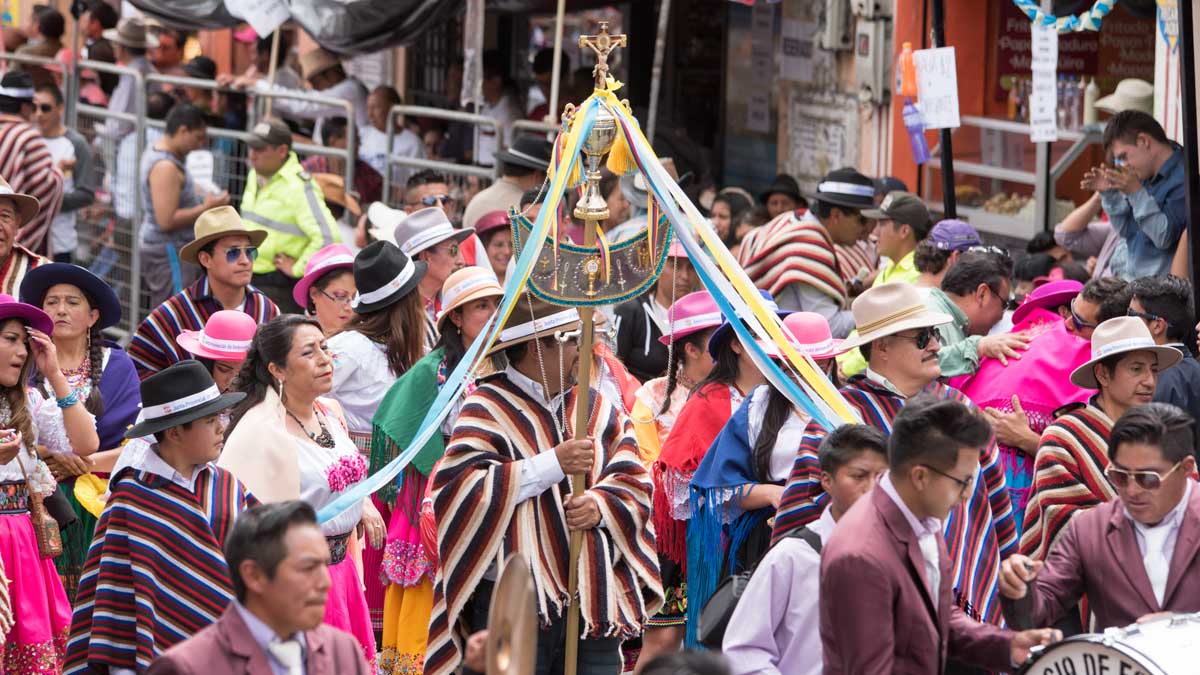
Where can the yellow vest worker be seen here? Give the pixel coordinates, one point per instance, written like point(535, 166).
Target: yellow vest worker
point(282, 198)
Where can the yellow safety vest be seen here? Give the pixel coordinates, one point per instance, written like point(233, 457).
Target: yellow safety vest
point(291, 208)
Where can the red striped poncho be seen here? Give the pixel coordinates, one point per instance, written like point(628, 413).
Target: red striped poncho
point(479, 519)
point(790, 250)
point(155, 574)
point(26, 163)
point(978, 534)
point(1068, 475)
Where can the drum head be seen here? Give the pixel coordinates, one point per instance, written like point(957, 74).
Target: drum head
point(1166, 646)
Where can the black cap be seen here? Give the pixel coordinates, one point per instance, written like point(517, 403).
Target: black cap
point(529, 151)
point(17, 85)
point(269, 132)
point(202, 68)
point(847, 188)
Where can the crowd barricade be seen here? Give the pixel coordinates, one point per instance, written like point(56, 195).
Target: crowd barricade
point(536, 128)
point(305, 150)
point(463, 179)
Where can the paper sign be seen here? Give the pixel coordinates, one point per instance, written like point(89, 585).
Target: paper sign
point(937, 87)
point(201, 166)
point(758, 112)
point(796, 50)
point(264, 16)
point(1043, 100)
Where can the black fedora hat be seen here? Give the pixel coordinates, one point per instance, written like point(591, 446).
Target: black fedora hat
point(383, 274)
point(847, 188)
point(41, 278)
point(182, 393)
point(529, 151)
point(783, 185)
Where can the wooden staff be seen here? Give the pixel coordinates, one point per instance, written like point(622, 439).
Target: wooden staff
point(271, 68)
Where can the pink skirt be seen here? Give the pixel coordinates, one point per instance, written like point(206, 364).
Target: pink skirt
point(41, 613)
point(346, 607)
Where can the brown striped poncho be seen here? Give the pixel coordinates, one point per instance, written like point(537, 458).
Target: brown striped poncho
point(1068, 476)
point(26, 163)
point(789, 250)
point(479, 519)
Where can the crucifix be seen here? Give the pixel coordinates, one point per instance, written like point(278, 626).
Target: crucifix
point(603, 44)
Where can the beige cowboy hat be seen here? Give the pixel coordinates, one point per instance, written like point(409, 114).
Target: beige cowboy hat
point(316, 61)
point(1130, 94)
point(131, 32)
point(222, 221)
point(532, 318)
point(889, 309)
point(27, 205)
point(1121, 335)
point(465, 286)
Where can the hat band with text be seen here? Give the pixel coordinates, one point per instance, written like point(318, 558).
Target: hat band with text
point(698, 321)
point(419, 242)
point(462, 288)
point(538, 325)
point(1127, 345)
point(340, 259)
point(853, 189)
point(386, 290)
point(179, 405)
point(217, 344)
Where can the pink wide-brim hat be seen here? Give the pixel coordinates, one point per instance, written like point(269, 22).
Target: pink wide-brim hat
point(226, 336)
point(692, 313)
point(31, 316)
point(328, 259)
point(1047, 296)
point(811, 336)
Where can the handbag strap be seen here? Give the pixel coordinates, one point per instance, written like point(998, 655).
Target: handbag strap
point(28, 488)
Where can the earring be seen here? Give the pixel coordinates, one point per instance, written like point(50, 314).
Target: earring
point(282, 392)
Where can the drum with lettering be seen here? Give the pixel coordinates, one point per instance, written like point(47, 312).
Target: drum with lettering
point(1169, 645)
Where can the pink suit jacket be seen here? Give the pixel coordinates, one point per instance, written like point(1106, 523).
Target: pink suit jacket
point(1098, 555)
point(227, 647)
point(877, 616)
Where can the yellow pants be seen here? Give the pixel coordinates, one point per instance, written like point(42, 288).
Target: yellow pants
point(406, 611)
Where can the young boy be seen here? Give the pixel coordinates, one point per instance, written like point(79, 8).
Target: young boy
point(777, 620)
point(156, 574)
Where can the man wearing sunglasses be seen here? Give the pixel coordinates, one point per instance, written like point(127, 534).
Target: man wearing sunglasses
point(897, 333)
point(1068, 475)
point(1131, 557)
point(73, 156)
point(282, 200)
point(1164, 303)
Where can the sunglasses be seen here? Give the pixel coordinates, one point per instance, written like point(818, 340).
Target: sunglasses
point(234, 253)
point(922, 338)
point(1146, 480)
point(964, 484)
point(1010, 303)
point(339, 297)
point(433, 200)
point(43, 107)
point(1079, 321)
point(1146, 316)
point(996, 251)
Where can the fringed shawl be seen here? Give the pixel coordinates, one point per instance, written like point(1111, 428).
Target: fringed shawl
point(397, 420)
point(789, 250)
point(479, 519)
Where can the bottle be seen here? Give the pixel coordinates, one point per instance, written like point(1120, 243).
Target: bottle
point(916, 132)
point(1014, 99)
point(1090, 94)
point(908, 71)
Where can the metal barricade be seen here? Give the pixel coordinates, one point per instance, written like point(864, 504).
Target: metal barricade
point(304, 149)
point(530, 126)
point(459, 176)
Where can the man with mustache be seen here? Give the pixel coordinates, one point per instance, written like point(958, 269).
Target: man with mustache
point(897, 333)
point(1068, 474)
point(279, 560)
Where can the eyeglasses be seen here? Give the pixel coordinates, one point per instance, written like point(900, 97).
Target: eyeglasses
point(1079, 321)
point(964, 484)
point(1146, 480)
point(1010, 303)
point(922, 338)
point(234, 253)
point(450, 250)
point(43, 107)
point(1146, 316)
point(339, 297)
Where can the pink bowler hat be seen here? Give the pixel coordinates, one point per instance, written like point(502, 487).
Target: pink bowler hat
point(328, 259)
point(810, 335)
point(492, 220)
point(31, 316)
point(225, 337)
point(1047, 296)
point(692, 313)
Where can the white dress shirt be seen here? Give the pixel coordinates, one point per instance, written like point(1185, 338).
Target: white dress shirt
point(1157, 544)
point(542, 471)
point(928, 531)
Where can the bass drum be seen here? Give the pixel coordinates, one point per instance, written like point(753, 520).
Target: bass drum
point(1166, 646)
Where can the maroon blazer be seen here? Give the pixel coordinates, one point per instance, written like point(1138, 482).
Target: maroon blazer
point(227, 647)
point(1098, 555)
point(877, 616)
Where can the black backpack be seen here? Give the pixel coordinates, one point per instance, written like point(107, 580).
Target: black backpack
point(714, 618)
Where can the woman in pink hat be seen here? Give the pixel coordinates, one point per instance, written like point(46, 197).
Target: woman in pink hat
point(327, 288)
point(221, 345)
point(642, 321)
point(496, 235)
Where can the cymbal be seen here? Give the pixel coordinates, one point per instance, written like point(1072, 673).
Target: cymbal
point(512, 621)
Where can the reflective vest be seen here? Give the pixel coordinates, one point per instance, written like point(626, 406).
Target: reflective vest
point(291, 208)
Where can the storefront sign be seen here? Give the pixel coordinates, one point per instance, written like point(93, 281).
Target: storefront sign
point(937, 87)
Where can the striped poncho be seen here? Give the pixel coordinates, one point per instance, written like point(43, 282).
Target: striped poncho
point(29, 168)
point(791, 250)
point(978, 534)
point(155, 574)
point(1068, 475)
point(479, 519)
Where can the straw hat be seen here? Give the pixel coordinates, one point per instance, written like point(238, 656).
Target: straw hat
point(317, 61)
point(1122, 335)
point(222, 221)
point(533, 318)
point(466, 286)
point(27, 205)
point(333, 187)
point(131, 32)
point(889, 309)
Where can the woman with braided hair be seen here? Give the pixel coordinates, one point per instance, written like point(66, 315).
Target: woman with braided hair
point(103, 377)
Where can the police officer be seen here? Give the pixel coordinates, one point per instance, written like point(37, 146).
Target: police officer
point(282, 199)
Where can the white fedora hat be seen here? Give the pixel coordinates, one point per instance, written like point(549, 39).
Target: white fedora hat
point(889, 309)
point(1131, 94)
point(1122, 335)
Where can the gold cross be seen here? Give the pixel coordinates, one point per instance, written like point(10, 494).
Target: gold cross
point(603, 44)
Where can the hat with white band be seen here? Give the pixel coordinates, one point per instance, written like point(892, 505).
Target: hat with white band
point(17, 84)
point(27, 206)
point(532, 318)
point(328, 259)
point(181, 393)
point(465, 286)
point(425, 228)
point(226, 336)
point(690, 314)
point(1122, 335)
point(846, 188)
point(383, 275)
